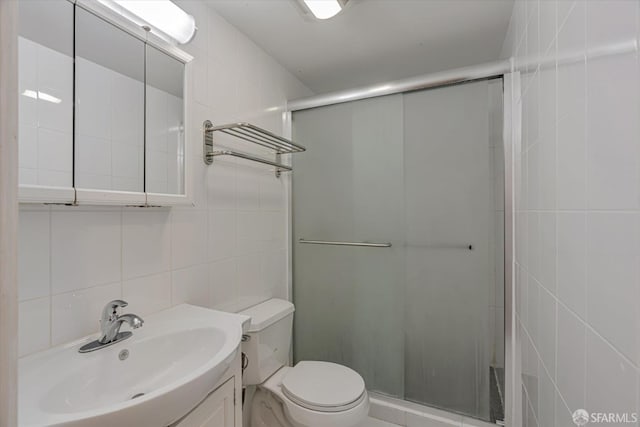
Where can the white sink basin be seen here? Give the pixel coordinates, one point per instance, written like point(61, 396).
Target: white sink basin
point(173, 362)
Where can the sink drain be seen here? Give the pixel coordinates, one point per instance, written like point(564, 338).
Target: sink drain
point(135, 396)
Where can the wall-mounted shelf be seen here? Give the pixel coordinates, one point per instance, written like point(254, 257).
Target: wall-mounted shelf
point(253, 134)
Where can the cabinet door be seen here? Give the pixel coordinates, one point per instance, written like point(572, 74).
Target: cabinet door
point(217, 410)
point(109, 124)
point(164, 148)
point(45, 69)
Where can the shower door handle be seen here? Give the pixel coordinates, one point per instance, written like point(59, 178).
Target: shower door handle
point(333, 243)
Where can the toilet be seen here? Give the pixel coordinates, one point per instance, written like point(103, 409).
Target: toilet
point(309, 394)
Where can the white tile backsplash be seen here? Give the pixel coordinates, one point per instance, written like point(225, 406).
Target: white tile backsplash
point(75, 259)
point(188, 237)
point(584, 351)
point(191, 285)
point(34, 255)
point(146, 242)
point(85, 249)
point(76, 314)
point(223, 285)
point(251, 284)
point(34, 325)
point(148, 294)
point(222, 228)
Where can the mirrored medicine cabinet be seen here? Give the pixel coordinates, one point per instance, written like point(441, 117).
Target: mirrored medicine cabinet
point(101, 109)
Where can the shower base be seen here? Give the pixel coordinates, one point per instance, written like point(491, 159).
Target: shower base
point(409, 414)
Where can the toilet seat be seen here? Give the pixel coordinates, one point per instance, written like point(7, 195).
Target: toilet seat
point(323, 386)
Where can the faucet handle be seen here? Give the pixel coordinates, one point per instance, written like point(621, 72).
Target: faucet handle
point(110, 311)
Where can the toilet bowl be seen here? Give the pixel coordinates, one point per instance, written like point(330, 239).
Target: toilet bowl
point(301, 397)
point(309, 394)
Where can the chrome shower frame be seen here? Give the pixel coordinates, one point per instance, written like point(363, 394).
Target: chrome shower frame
point(511, 140)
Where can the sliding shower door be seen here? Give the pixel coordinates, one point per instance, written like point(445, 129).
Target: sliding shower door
point(350, 299)
point(419, 175)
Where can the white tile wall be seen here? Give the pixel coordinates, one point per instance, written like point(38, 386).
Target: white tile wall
point(149, 293)
point(73, 260)
point(34, 256)
point(577, 228)
point(85, 249)
point(34, 325)
point(146, 242)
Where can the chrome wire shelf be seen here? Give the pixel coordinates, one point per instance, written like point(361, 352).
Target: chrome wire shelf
point(253, 134)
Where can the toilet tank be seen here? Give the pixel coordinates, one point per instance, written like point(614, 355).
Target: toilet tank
point(269, 343)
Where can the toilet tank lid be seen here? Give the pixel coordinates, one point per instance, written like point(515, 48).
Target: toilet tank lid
point(267, 313)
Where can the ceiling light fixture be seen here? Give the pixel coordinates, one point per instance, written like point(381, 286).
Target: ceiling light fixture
point(165, 17)
point(325, 9)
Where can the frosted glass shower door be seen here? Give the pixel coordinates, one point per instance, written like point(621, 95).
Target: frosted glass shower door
point(450, 208)
point(348, 187)
point(420, 320)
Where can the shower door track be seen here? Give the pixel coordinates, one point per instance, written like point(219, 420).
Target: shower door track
point(445, 78)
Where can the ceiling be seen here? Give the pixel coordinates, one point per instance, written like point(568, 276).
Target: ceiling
point(372, 41)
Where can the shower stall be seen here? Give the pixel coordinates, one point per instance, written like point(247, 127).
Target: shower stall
point(398, 243)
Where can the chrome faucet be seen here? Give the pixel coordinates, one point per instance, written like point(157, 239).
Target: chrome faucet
point(110, 324)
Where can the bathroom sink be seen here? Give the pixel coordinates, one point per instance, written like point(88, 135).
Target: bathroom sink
point(151, 379)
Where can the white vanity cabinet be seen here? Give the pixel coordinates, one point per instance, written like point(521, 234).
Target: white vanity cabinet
point(98, 125)
point(217, 410)
point(223, 406)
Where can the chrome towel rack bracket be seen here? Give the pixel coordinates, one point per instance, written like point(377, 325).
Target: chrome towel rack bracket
point(250, 133)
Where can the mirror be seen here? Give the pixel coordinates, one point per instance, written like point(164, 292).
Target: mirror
point(45, 69)
point(109, 127)
point(105, 126)
point(165, 155)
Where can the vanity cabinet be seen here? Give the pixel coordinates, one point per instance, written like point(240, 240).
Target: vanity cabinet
point(223, 406)
point(102, 108)
point(217, 410)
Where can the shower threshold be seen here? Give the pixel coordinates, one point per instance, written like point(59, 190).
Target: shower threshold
point(404, 413)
